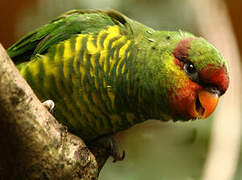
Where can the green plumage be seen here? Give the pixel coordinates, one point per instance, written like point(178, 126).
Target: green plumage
point(104, 71)
point(61, 28)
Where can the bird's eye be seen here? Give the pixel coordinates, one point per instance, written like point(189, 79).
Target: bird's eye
point(191, 71)
point(189, 68)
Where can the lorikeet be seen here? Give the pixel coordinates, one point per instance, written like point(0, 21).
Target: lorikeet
point(106, 72)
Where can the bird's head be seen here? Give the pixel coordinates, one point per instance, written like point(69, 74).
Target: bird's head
point(190, 75)
point(204, 76)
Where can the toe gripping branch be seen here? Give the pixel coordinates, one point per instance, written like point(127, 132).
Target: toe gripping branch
point(49, 105)
point(114, 150)
point(104, 147)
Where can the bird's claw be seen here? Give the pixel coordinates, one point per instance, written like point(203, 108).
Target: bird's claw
point(118, 157)
point(110, 145)
point(49, 105)
point(114, 149)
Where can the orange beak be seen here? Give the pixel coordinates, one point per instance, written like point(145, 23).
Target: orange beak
point(204, 105)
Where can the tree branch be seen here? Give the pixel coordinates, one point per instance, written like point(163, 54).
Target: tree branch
point(33, 145)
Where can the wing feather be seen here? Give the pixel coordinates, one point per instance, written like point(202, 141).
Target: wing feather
point(62, 28)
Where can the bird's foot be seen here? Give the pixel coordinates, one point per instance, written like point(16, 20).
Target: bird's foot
point(49, 105)
point(114, 149)
point(110, 145)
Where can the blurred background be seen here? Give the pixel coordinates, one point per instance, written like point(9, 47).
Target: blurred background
point(157, 150)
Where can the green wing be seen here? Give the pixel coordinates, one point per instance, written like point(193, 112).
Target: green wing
point(62, 28)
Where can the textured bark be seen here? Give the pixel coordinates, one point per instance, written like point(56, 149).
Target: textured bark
point(33, 145)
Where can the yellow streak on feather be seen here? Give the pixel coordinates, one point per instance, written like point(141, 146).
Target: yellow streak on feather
point(121, 56)
point(118, 41)
point(112, 61)
point(33, 67)
point(48, 70)
point(103, 55)
point(78, 47)
point(93, 51)
point(78, 42)
point(124, 48)
point(91, 48)
point(122, 53)
point(67, 50)
point(57, 54)
point(68, 54)
point(112, 31)
point(111, 95)
point(55, 69)
point(83, 68)
point(99, 38)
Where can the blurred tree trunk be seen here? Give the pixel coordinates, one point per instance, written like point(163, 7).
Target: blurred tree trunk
point(234, 9)
point(215, 25)
point(33, 145)
point(9, 13)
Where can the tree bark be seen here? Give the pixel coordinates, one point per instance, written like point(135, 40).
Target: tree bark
point(33, 145)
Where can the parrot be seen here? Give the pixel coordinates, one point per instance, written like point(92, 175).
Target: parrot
point(106, 72)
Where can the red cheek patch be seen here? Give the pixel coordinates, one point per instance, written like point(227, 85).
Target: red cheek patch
point(182, 99)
